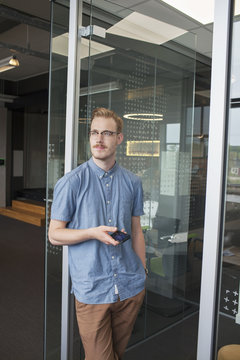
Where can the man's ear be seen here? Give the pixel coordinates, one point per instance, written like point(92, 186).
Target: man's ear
point(120, 138)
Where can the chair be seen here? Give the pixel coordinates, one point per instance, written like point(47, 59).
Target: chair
point(229, 352)
point(173, 265)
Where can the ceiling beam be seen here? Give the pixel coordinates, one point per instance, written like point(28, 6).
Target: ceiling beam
point(28, 19)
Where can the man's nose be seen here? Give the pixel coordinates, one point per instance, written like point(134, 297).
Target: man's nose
point(100, 136)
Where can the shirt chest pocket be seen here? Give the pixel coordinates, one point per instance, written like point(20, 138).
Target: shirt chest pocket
point(125, 208)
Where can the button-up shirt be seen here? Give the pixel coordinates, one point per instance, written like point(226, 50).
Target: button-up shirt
point(89, 197)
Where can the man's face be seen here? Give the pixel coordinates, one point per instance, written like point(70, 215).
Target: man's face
point(104, 147)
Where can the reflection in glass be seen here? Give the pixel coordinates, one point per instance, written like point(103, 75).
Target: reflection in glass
point(158, 80)
point(56, 152)
point(147, 75)
point(228, 331)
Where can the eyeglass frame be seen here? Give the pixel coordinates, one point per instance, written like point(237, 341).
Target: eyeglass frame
point(109, 133)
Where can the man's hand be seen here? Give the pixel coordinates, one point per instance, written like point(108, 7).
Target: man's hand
point(101, 233)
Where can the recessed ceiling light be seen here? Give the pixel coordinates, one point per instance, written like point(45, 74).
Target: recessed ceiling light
point(60, 46)
point(144, 28)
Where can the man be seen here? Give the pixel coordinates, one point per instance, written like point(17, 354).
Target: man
point(90, 203)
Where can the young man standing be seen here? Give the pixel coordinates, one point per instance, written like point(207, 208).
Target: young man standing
point(90, 203)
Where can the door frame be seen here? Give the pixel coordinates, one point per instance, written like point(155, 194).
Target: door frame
point(70, 161)
point(214, 209)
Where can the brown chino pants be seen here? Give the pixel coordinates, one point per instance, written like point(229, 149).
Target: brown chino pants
point(105, 329)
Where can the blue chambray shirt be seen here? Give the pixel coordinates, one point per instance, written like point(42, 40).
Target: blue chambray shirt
point(89, 197)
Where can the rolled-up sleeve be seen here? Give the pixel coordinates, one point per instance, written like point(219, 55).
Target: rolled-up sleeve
point(63, 206)
point(138, 199)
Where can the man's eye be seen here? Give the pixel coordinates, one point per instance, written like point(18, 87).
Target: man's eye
point(94, 133)
point(107, 133)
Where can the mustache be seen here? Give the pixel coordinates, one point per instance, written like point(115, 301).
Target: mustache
point(97, 145)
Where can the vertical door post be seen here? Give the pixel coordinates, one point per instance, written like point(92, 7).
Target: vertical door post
point(215, 176)
point(72, 111)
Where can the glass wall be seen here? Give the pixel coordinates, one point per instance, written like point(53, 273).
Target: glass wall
point(228, 314)
point(147, 69)
point(55, 170)
point(149, 79)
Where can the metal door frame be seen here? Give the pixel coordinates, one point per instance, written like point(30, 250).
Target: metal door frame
point(213, 226)
point(71, 136)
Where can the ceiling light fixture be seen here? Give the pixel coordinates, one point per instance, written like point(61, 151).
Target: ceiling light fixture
point(145, 28)
point(8, 63)
point(60, 46)
point(7, 98)
point(100, 88)
point(143, 116)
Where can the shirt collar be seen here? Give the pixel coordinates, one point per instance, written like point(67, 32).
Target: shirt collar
point(100, 172)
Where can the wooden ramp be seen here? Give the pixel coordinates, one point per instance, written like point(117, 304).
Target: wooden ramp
point(28, 211)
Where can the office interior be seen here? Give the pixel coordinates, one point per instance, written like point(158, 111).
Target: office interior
point(150, 61)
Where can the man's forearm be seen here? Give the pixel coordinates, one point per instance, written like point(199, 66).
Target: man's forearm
point(60, 235)
point(138, 241)
point(139, 248)
point(67, 236)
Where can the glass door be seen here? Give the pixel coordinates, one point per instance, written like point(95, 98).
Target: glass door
point(135, 62)
point(144, 69)
point(228, 330)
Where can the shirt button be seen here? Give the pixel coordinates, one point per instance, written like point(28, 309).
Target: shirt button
point(110, 220)
point(107, 184)
point(108, 202)
point(113, 257)
point(115, 275)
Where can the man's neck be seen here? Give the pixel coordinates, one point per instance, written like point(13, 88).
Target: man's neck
point(105, 165)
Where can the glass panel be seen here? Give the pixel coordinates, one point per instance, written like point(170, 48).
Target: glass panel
point(149, 81)
point(56, 150)
point(228, 315)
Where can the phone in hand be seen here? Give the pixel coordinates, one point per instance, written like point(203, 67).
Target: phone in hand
point(120, 236)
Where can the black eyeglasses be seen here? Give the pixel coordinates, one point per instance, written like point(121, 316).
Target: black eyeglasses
point(105, 133)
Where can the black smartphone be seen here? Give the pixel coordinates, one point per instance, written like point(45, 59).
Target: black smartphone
point(120, 236)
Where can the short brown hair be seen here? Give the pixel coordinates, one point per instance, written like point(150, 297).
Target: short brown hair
point(107, 113)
